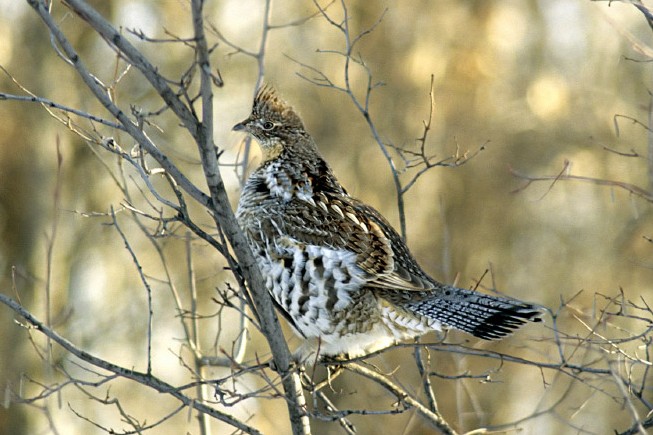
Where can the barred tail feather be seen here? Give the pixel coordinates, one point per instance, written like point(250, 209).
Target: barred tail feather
point(484, 316)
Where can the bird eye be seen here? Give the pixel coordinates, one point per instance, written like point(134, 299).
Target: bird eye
point(267, 125)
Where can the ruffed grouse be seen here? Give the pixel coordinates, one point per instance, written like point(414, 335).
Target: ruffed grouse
point(336, 269)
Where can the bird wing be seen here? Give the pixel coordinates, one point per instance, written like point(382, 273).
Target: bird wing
point(339, 221)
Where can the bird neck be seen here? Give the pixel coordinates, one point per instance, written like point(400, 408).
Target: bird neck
point(272, 151)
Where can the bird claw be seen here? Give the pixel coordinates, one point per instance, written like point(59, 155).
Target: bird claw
point(335, 360)
point(292, 366)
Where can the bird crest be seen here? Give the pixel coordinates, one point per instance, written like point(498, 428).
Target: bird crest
point(270, 107)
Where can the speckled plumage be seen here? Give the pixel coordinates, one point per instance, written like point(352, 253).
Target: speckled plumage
point(335, 267)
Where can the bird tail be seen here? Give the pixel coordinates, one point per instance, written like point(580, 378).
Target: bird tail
point(484, 316)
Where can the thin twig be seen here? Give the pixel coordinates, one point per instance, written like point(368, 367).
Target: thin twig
point(631, 188)
point(146, 284)
point(201, 389)
point(400, 393)
point(144, 379)
point(52, 105)
point(425, 376)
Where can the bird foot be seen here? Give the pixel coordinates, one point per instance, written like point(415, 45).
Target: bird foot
point(292, 366)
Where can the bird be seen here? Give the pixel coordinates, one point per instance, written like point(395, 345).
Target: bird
point(335, 267)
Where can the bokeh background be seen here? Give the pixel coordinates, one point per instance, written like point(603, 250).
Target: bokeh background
point(536, 83)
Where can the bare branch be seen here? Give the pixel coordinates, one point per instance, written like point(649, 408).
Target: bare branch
point(401, 394)
point(631, 188)
point(142, 378)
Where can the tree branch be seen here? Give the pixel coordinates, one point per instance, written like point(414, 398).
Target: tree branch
point(142, 378)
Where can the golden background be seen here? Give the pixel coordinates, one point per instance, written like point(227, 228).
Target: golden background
point(537, 84)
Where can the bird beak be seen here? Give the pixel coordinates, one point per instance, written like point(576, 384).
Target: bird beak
point(239, 127)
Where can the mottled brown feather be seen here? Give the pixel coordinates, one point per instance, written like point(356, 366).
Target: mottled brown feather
point(335, 265)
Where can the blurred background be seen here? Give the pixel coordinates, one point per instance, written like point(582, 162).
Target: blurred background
point(537, 84)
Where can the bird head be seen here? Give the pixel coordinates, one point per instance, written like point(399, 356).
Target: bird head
point(273, 122)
